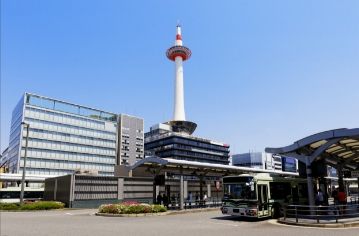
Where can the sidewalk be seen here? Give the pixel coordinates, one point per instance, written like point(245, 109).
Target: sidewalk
point(327, 216)
point(329, 223)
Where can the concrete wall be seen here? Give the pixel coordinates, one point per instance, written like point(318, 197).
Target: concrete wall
point(58, 189)
point(82, 191)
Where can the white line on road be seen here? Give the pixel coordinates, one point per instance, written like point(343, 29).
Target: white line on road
point(226, 224)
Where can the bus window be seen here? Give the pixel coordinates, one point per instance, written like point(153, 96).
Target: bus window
point(239, 191)
point(262, 197)
point(9, 194)
point(280, 190)
point(33, 194)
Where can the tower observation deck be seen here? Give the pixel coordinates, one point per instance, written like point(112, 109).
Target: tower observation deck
point(179, 53)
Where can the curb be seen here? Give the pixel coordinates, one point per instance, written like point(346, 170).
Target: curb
point(159, 214)
point(60, 209)
point(131, 215)
point(332, 225)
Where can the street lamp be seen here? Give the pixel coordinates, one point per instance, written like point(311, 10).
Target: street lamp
point(24, 168)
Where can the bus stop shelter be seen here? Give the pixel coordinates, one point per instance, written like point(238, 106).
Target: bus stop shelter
point(338, 148)
point(154, 166)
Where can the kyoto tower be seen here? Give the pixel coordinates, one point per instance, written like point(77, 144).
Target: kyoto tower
point(179, 53)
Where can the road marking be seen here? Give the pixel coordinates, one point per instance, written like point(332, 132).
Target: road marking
point(226, 224)
point(80, 214)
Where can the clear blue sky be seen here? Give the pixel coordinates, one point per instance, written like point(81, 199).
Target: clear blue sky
point(263, 73)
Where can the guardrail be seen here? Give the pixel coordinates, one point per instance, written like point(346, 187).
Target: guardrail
point(213, 202)
point(331, 213)
point(354, 199)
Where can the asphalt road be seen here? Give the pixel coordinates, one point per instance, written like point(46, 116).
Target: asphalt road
point(84, 222)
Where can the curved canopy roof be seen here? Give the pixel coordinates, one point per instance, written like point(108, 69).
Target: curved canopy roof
point(339, 146)
point(189, 166)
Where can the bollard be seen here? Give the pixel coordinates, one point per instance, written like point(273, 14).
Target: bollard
point(296, 214)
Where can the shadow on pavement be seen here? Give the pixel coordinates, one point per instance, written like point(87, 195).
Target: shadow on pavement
point(239, 218)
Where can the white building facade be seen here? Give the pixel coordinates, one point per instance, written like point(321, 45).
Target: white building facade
point(263, 160)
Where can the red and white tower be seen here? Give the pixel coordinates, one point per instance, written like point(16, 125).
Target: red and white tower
point(179, 53)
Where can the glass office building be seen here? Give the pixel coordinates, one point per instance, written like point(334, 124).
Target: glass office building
point(63, 138)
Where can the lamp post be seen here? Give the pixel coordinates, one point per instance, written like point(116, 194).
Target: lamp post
point(24, 167)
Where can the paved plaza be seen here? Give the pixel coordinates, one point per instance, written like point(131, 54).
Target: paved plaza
point(84, 222)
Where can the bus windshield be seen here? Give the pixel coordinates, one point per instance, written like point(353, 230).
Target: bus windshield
point(239, 188)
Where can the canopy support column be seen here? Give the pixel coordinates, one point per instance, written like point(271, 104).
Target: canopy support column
point(154, 197)
point(181, 203)
point(310, 183)
point(340, 177)
point(201, 177)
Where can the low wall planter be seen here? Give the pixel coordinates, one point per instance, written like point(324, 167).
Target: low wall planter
point(132, 215)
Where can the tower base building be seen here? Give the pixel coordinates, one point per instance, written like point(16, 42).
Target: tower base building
point(164, 142)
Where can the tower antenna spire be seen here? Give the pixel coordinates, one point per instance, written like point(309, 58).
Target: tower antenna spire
point(179, 53)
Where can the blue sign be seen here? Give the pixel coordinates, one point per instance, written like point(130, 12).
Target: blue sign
point(289, 164)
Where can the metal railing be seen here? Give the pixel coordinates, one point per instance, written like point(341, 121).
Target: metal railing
point(318, 214)
point(211, 202)
point(353, 199)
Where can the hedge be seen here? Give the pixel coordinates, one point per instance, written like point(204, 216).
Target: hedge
point(31, 206)
point(131, 208)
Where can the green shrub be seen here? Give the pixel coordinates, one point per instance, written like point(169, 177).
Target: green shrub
point(136, 209)
point(133, 208)
point(110, 209)
point(9, 206)
point(158, 208)
point(31, 206)
point(42, 205)
point(147, 209)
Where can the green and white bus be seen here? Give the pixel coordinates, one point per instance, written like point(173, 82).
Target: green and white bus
point(12, 194)
point(261, 195)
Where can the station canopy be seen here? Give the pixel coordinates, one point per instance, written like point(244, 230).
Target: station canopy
point(335, 147)
point(189, 167)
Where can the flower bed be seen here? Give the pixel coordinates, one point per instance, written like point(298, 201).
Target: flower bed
point(131, 208)
point(32, 206)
